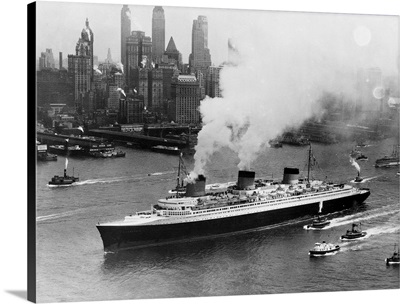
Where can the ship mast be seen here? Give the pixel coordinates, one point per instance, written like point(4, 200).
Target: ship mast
point(309, 164)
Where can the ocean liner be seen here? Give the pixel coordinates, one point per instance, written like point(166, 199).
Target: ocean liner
point(216, 209)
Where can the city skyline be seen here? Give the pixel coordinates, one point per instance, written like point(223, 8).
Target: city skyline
point(362, 40)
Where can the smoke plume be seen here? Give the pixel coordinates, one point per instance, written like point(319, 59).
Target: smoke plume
point(355, 164)
point(272, 82)
point(122, 91)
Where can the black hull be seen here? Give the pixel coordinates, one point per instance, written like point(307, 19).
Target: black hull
point(318, 226)
point(117, 237)
point(353, 237)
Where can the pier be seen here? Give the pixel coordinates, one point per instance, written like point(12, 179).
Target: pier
point(144, 141)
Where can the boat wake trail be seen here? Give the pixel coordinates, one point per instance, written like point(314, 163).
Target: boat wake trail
point(55, 216)
point(347, 220)
point(120, 178)
point(367, 179)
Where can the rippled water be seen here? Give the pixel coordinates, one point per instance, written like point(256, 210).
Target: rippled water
point(72, 266)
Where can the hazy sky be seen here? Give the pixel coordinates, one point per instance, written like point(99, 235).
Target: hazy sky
point(363, 40)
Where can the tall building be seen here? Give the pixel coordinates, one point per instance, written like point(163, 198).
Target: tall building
point(158, 33)
point(156, 90)
point(125, 31)
point(143, 86)
point(186, 95)
point(109, 58)
point(138, 55)
point(60, 61)
point(80, 68)
point(173, 55)
point(200, 58)
point(46, 60)
point(212, 82)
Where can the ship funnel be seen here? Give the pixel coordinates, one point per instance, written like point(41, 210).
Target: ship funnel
point(197, 187)
point(290, 176)
point(245, 180)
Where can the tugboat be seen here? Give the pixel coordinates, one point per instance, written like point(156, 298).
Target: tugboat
point(354, 233)
point(63, 180)
point(362, 157)
point(322, 249)
point(318, 222)
point(395, 258)
point(358, 179)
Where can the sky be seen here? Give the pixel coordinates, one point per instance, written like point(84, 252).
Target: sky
point(365, 40)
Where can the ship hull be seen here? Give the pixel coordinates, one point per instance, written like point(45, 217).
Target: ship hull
point(116, 237)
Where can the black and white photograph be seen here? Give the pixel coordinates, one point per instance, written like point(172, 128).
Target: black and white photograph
point(184, 151)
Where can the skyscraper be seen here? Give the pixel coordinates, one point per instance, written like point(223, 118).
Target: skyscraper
point(80, 68)
point(158, 33)
point(46, 60)
point(173, 54)
point(200, 58)
point(125, 31)
point(109, 58)
point(138, 55)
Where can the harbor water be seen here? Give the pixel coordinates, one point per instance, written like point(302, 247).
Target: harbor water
point(72, 265)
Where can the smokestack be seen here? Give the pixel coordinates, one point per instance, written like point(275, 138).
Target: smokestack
point(290, 176)
point(197, 187)
point(60, 61)
point(245, 180)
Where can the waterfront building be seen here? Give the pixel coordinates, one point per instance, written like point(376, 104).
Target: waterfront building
point(200, 58)
point(131, 109)
point(186, 94)
point(80, 69)
point(46, 60)
point(125, 32)
point(158, 33)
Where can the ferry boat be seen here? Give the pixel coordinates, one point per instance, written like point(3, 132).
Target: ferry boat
point(323, 249)
point(224, 208)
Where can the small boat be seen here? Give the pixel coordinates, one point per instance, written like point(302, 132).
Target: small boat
point(275, 144)
point(46, 157)
point(362, 157)
point(319, 222)
point(389, 160)
point(118, 154)
point(355, 153)
point(64, 180)
point(322, 249)
point(166, 149)
point(354, 233)
point(395, 258)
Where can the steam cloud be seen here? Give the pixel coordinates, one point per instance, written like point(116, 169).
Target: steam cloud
point(272, 83)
